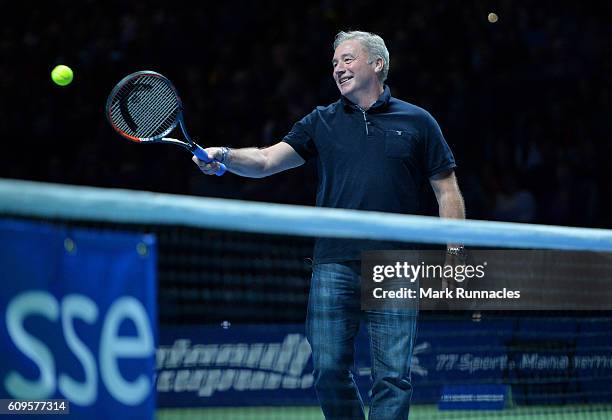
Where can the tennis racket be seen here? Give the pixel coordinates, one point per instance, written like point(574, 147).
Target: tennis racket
point(145, 107)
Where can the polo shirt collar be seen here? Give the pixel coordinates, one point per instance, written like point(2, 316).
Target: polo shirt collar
point(381, 102)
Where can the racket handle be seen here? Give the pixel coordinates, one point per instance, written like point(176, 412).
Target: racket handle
point(203, 156)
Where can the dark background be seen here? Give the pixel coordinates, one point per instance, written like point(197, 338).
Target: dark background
point(524, 103)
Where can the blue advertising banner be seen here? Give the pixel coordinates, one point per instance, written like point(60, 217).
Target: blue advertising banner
point(225, 366)
point(78, 318)
point(496, 361)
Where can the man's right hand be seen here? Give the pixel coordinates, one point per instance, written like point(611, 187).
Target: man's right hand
point(215, 153)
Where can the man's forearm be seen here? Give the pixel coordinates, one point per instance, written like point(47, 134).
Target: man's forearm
point(249, 162)
point(451, 206)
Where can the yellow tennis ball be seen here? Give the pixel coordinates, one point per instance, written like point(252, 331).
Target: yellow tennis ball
point(62, 75)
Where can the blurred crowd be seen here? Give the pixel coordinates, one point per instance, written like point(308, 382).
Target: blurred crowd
point(523, 102)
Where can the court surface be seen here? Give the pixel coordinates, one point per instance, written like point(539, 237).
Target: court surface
point(573, 412)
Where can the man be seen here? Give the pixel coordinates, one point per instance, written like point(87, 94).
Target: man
point(372, 152)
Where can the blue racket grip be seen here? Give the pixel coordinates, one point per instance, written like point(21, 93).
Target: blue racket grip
point(203, 156)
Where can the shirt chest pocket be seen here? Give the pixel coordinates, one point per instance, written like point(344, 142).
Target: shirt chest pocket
point(400, 144)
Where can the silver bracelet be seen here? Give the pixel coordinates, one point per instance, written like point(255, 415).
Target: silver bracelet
point(225, 152)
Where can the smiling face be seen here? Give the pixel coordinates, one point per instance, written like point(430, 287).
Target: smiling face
point(352, 73)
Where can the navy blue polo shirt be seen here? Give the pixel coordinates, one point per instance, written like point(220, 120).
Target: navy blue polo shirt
point(369, 160)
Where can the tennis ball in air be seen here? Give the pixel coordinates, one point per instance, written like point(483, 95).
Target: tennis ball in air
point(62, 75)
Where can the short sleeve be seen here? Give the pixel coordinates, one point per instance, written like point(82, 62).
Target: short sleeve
point(438, 155)
point(301, 137)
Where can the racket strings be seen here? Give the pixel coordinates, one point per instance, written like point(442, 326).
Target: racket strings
point(146, 107)
point(165, 120)
point(160, 105)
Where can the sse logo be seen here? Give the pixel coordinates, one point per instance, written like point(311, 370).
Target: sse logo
point(78, 309)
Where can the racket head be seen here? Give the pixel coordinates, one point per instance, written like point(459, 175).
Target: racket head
point(144, 107)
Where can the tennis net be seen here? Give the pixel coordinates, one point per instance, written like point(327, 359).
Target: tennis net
point(232, 288)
